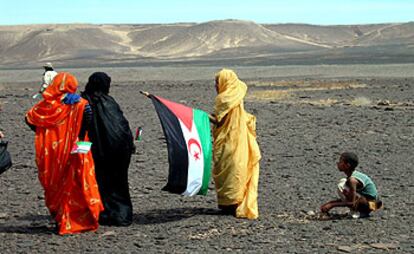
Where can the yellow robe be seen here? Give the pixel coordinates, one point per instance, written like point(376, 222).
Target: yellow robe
point(236, 153)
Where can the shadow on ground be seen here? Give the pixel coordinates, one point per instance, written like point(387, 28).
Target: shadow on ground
point(159, 216)
point(29, 224)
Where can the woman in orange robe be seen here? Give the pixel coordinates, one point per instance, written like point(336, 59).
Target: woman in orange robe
point(71, 191)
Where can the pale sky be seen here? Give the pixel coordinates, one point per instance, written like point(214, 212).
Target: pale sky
point(323, 12)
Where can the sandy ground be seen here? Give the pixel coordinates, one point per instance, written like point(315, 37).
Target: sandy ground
point(305, 119)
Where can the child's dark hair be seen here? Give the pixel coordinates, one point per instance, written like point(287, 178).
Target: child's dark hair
point(350, 158)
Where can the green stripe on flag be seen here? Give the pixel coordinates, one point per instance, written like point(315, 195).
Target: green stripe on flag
point(202, 123)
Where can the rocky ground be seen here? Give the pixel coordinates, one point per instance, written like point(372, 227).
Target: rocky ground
point(303, 124)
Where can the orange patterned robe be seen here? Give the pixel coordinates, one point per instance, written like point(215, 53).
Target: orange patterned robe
point(71, 191)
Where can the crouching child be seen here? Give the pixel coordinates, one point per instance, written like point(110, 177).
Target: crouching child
point(357, 191)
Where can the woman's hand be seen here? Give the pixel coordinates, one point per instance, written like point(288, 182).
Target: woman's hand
point(71, 98)
point(1, 135)
point(212, 118)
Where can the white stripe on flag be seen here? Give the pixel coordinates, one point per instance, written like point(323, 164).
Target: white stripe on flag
point(195, 161)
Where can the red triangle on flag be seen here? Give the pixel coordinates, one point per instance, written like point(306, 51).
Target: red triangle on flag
point(182, 112)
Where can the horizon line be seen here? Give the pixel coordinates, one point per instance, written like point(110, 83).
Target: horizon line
point(218, 20)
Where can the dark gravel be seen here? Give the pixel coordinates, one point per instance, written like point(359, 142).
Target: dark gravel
point(300, 144)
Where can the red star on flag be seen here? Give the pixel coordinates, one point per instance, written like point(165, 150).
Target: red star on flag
point(196, 156)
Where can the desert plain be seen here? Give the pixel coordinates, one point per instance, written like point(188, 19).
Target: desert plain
point(306, 116)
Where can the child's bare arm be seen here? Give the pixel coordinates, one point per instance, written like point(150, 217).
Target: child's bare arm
point(329, 205)
point(339, 203)
point(351, 198)
point(352, 195)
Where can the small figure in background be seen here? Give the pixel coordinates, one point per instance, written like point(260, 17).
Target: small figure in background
point(49, 74)
point(47, 78)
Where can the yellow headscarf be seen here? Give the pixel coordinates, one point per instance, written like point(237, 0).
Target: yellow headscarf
point(236, 153)
point(231, 92)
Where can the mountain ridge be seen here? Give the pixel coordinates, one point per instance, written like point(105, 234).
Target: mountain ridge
point(75, 44)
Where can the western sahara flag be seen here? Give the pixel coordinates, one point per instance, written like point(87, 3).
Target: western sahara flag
point(187, 132)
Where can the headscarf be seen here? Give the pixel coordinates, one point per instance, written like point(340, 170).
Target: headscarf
point(50, 111)
point(98, 84)
point(231, 92)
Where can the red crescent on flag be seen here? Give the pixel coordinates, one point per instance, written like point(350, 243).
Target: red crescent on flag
point(192, 141)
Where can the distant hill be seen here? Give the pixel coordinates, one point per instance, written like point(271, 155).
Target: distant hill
point(84, 44)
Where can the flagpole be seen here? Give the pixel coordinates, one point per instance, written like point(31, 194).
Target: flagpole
point(144, 93)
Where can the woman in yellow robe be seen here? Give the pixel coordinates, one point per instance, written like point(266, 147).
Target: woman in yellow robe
point(236, 153)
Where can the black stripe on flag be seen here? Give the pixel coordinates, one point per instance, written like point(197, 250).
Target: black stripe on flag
point(177, 149)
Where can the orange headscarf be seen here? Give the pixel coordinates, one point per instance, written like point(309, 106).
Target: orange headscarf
point(71, 191)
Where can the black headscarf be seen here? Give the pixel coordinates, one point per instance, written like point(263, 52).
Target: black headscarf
point(98, 84)
point(110, 132)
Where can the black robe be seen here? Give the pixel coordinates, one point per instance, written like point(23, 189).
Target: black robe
point(112, 147)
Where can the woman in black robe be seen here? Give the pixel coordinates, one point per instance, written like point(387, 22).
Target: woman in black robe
point(112, 146)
